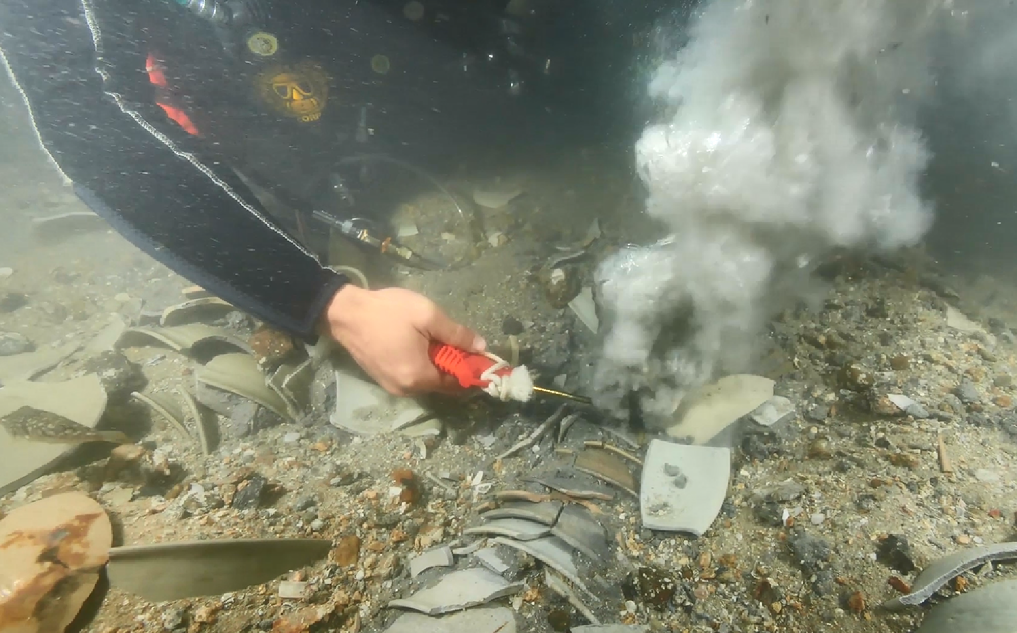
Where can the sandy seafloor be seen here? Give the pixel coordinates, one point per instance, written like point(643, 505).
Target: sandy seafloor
point(847, 476)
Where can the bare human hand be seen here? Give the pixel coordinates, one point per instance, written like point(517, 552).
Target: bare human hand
point(388, 332)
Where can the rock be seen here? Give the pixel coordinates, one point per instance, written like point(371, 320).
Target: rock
point(774, 411)
point(305, 502)
point(118, 375)
point(511, 326)
point(857, 377)
point(249, 493)
point(11, 301)
point(271, 346)
point(967, 392)
point(917, 411)
point(12, 343)
point(895, 552)
point(174, 619)
point(561, 285)
point(818, 413)
point(811, 552)
point(347, 552)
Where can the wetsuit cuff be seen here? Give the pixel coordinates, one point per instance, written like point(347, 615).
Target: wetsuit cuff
point(333, 283)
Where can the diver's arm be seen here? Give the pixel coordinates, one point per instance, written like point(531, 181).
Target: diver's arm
point(137, 172)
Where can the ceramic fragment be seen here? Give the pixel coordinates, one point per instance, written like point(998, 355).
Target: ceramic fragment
point(32, 364)
point(558, 585)
point(168, 409)
point(704, 413)
point(574, 488)
point(545, 512)
point(608, 467)
point(554, 553)
point(519, 529)
point(204, 422)
point(194, 310)
point(63, 225)
point(585, 308)
point(81, 400)
point(496, 197)
point(436, 557)
point(776, 409)
point(988, 609)
point(51, 553)
point(500, 619)
point(577, 527)
point(489, 558)
point(197, 340)
point(364, 408)
point(459, 590)
point(693, 506)
point(942, 570)
point(239, 374)
point(173, 571)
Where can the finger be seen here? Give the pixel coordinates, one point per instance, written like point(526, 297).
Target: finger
point(445, 330)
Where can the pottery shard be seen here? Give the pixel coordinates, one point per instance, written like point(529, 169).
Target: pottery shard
point(50, 555)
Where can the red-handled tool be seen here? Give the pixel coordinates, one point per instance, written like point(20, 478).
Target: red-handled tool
point(490, 373)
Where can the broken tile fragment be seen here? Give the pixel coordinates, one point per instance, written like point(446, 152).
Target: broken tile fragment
point(459, 590)
point(545, 512)
point(577, 527)
point(436, 557)
point(562, 588)
point(942, 570)
point(690, 501)
point(575, 488)
point(519, 529)
point(709, 410)
point(608, 467)
point(489, 558)
point(988, 609)
point(500, 619)
point(554, 553)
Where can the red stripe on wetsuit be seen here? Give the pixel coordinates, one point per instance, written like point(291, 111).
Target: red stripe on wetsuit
point(164, 98)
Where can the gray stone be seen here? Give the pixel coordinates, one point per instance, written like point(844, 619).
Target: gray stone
point(12, 343)
point(810, 552)
point(250, 495)
point(774, 411)
point(967, 392)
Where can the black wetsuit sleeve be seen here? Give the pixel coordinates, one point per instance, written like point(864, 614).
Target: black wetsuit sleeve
point(131, 166)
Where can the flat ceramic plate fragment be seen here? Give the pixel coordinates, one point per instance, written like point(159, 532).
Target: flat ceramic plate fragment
point(585, 308)
point(364, 408)
point(500, 619)
point(989, 609)
point(173, 571)
point(943, 570)
point(518, 529)
point(706, 412)
point(82, 400)
point(31, 364)
point(776, 409)
point(608, 467)
point(489, 558)
point(459, 590)
point(239, 374)
point(683, 486)
point(545, 512)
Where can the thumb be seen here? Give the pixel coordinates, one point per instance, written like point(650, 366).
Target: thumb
point(445, 330)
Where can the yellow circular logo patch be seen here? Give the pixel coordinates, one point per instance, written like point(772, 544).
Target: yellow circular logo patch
point(299, 91)
point(262, 44)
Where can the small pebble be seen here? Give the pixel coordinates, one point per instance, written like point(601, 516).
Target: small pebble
point(818, 518)
point(290, 438)
point(292, 590)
